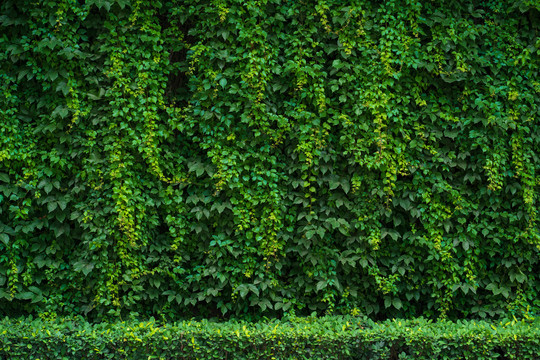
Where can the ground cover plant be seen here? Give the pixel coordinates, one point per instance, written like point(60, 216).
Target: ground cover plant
point(227, 158)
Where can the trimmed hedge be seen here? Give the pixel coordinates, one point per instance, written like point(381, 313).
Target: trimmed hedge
point(299, 338)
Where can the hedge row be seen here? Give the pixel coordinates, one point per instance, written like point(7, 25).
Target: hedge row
point(299, 338)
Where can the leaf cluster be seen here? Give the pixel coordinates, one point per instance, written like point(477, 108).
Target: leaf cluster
point(268, 158)
point(298, 338)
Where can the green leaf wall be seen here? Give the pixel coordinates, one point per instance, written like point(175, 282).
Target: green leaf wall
point(267, 157)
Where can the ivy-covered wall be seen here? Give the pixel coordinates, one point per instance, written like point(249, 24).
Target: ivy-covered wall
point(261, 157)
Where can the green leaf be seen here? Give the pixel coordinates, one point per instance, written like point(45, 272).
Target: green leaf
point(51, 206)
point(86, 269)
point(63, 112)
point(61, 216)
point(62, 204)
point(321, 285)
point(333, 184)
point(52, 74)
point(27, 295)
point(333, 222)
point(35, 290)
point(243, 292)
point(59, 230)
point(4, 177)
point(346, 186)
point(4, 238)
point(63, 87)
point(364, 263)
point(48, 187)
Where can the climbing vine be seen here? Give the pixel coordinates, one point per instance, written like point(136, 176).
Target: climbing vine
point(267, 157)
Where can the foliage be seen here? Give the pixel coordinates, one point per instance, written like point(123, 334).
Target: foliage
point(269, 157)
point(307, 338)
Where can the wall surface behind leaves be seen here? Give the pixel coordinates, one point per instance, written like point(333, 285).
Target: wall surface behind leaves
point(262, 157)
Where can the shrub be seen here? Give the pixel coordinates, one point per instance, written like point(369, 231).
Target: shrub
point(308, 338)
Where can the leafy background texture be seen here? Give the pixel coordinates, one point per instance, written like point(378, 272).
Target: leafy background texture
point(266, 157)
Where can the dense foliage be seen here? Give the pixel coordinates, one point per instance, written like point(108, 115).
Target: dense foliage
point(269, 157)
point(326, 338)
